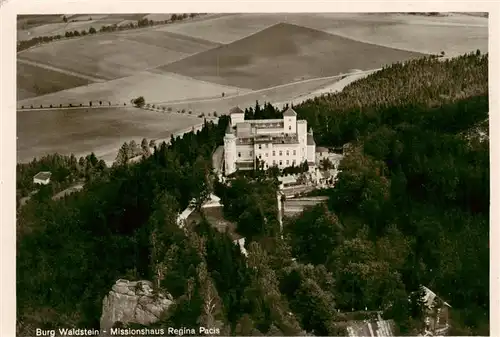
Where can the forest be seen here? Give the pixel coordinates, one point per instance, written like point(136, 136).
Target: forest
point(411, 207)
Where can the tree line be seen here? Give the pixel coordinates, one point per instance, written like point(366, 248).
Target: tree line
point(26, 44)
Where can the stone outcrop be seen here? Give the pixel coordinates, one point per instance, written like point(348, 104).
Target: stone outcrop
point(133, 302)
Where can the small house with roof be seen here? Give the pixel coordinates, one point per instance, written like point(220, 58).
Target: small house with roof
point(42, 178)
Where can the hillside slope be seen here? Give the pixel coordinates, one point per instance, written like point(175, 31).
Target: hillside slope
point(285, 53)
point(414, 178)
point(410, 207)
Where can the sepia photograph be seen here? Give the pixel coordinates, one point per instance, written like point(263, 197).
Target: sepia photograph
point(252, 173)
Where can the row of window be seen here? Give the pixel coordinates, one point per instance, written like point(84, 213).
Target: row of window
point(274, 153)
point(294, 162)
point(281, 163)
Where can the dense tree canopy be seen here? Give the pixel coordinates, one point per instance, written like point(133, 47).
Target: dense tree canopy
point(410, 207)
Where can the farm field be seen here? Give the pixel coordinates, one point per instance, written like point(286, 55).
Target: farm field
point(35, 81)
point(455, 34)
point(154, 88)
point(105, 56)
point(31, 21)
point(225, 28)
point(170, 41)
point(402, 31)
point(62, 27)
point(158, 16)
point(282, 54)
point(102, 131)
point(40, 25)
point(283, 93)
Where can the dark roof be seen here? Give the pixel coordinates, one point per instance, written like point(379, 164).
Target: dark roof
point(236, 110)
point(310, 140)
point(43, 175)
point(321, 149)
point(289, 112)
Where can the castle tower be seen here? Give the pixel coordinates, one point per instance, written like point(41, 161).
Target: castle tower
point(290, 121)
point(237, 116)
point(229, 151)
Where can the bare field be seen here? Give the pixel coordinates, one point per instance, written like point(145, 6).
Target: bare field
point(282, 54)
point(30, 21)
point(278, 94)
point(154, 88)
point(424, 34)
point(224, 29)
point(106, 56)
point(170, 41)
point(426, 38)
point(452, 33)
point(35, 81)
point(81, 131)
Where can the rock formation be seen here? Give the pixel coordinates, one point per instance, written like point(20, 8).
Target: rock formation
point(133, 302)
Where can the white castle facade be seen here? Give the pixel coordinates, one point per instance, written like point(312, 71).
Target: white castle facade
point(274, 142)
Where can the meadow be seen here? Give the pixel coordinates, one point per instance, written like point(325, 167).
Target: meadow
point(282, 54)
point(102, 131)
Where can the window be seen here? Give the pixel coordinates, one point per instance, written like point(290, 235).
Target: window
point(289, 127)
point(251, 153)
point(274, 162)
point(260, 147)
point(287, 152)
point(281, 153)
point(260, 156)
point(267, 146)
point(287, 162)
point(239, 154)
point(274, 153)
point(281, 162)
point(294, 152)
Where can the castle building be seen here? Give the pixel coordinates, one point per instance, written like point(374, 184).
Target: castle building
point(273, 142)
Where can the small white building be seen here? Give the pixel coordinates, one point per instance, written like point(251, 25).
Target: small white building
point(274, 142)
point(287, 181)
point(42, 178)
point(241, 244)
